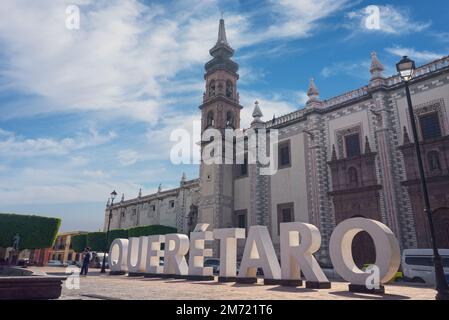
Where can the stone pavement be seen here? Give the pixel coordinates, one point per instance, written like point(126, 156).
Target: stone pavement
point(98, 286)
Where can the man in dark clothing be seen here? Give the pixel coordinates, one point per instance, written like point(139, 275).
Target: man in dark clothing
point(86, 261)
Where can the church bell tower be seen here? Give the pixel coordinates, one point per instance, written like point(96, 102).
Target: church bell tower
point(220, 110)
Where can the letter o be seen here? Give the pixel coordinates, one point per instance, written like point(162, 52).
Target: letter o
point(118, 254)
point(388, 256)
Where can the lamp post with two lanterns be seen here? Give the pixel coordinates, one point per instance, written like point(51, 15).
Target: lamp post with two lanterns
point(113, 195)
point(406, 68)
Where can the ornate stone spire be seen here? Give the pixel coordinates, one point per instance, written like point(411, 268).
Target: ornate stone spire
point(257, 114)
point(159, 189)
point(140, 193)
point(334, 153)
point(313, 93)
point(222, 33)
point(183, 178)
point(367, 146)
point(376, 67)
point(406, 137)
point(123, 197)
point(222, 53)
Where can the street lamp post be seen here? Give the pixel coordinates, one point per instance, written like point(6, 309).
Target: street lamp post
point(406, 68)
point(113, 195)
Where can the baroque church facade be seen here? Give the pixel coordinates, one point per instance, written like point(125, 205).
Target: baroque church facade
point(347, 156)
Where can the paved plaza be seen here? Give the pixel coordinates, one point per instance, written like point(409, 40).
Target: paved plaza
point(105, 287)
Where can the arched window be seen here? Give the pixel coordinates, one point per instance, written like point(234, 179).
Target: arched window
point(210, 119)
point(433, 158)
point(229, 89)
point(212, 88)
point(230, 120)
point(353, 178)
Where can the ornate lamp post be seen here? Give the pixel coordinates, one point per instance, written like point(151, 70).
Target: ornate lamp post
point(113, 195)
point(406, 68)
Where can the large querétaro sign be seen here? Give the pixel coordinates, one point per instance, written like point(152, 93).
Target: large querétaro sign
point(298, 243)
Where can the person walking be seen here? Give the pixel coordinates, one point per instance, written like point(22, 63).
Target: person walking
point(86, 261)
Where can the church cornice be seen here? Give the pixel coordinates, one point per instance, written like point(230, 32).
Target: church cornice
point(220, 98)
point(191, 184)
point(365, 156)
point(357, 190)
point(390, 84)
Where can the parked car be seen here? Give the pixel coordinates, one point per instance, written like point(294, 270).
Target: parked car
point(55, 263)
point(71, 263)
point(418, 267)
point(23, 262)
point(97, 260)
point(214, 263)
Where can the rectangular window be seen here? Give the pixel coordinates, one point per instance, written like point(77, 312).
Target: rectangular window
point(352, 143)
point(172, 204)
point(285, 213)
point(430, 126)
point(284, 154)
point(240, 218)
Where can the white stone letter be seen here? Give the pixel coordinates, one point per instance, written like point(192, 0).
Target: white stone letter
point(118, 255)
point(154, 255)
point(259, 253)
point(388, 256)
point(299, 241)
point(197, 252)
point(176, 247)
point(137, 254)
point(228, 249)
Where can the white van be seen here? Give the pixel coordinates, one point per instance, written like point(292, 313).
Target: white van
point(417, 265)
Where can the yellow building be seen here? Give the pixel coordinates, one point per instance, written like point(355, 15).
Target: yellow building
point(62, 249)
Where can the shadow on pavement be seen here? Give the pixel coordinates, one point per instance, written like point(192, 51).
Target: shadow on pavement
point(353, 295)
point(293, 289)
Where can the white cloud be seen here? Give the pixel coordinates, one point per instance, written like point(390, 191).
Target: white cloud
point(128, 157)
point(302, 97)
point(123, 63)
point(358, 69)
point(421, 56)
point(298, 18)
point(13, 146)
point(393, 20)
point(125, 52)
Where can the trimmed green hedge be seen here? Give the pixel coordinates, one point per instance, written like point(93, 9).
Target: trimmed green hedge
point(117, 234)
point(35, 232)
point(150, 230)
point(79, 242)
point(96, 241)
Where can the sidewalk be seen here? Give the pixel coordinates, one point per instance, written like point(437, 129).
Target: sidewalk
point(104, 286)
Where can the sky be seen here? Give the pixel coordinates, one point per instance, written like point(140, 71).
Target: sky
point(90, 110)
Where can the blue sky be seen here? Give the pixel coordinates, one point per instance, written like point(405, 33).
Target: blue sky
point(87, 111)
